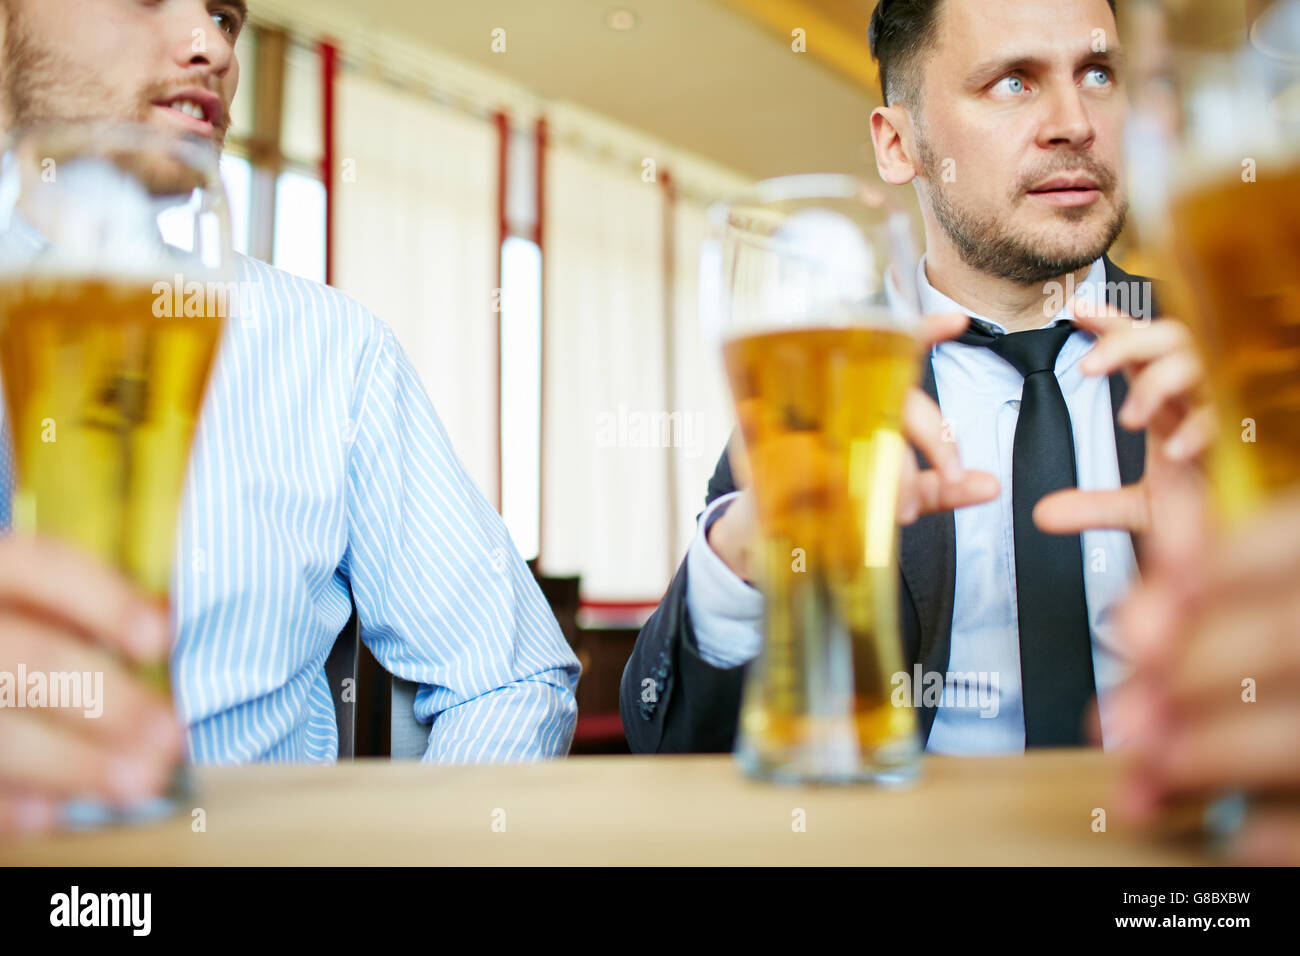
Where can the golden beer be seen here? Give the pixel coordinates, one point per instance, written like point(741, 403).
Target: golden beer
point(103, 396)
point(1239, 245)
point(820, 410)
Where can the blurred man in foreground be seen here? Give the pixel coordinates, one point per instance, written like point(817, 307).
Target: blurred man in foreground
point(1006, 116)
point(320, 477)
point(1214, 702)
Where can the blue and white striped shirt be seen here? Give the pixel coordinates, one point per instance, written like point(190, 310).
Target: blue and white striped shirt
point(320, 465)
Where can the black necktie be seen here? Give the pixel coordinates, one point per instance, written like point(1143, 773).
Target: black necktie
point(1055, 638)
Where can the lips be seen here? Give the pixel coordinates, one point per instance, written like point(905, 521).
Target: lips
point(1067, 189)
point(1066, 181)
point(194, 109)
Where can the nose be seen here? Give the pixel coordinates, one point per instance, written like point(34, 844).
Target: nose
point(199, 42)
point(1067, 121)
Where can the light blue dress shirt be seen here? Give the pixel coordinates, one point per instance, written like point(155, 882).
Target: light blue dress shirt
point(320, 465)
point(979, 396)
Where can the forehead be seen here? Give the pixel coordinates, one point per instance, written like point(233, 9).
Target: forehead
point(971, 31)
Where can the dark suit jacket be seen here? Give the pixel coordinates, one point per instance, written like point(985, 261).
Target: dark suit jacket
point(698, 705)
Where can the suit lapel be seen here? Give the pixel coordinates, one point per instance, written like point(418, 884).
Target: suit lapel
point(1130, 447)
point(928, 561)
point(1134, 295)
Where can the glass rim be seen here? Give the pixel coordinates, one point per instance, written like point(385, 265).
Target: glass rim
point(1266, 29)
point(139, 150)
point(800, 187)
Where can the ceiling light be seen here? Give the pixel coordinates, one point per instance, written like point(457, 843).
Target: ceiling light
point(621, 20)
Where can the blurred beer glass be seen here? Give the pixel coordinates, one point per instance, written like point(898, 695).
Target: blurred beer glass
point(116, 276)
point(1214, 146)
point(819, 345)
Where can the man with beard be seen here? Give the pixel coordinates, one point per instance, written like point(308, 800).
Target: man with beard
point(320, 468)
point(1007, 117)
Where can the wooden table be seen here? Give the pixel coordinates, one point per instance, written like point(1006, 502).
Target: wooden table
point(1035, 810)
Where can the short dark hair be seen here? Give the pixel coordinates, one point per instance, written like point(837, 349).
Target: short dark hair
point(900, 31)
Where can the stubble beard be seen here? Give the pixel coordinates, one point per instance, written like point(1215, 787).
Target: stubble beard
point(993, 247)
point(39, 86)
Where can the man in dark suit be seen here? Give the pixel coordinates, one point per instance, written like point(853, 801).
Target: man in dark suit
point(1007, 117)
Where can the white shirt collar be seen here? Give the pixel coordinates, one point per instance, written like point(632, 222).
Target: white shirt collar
point(933, 301)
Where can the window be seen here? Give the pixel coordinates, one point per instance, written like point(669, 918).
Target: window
point(521, 391)
point(277, 206)
point(237, 175)
point(300, 226)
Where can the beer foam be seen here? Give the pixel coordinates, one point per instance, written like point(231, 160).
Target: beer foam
point(95, 220)
point(818, 270)
point(834, 242)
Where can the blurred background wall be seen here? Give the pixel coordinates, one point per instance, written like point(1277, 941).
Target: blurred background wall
point(520, 189)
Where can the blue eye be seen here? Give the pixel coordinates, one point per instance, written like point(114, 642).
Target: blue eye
point(1011, 84)
point(229, 22)
point(1102, 76)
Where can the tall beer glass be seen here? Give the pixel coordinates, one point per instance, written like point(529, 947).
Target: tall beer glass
point(819, 346)
point(116, 276)
point(1215, 154)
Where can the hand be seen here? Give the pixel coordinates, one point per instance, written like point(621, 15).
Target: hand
point(942, 487)
point(1166, 396)
point(62, 613)
point(1213, 625)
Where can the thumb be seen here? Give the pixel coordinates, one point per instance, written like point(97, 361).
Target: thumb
point(1181, 525)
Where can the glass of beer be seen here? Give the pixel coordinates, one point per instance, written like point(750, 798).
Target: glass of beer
point(116, 276)
point(812, 287)
point(1214, 146)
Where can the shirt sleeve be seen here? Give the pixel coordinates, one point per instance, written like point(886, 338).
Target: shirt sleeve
point(726, 613)
point(443, 597)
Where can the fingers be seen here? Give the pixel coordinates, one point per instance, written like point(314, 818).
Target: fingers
point(1191, 439)
point(1148, 622)
point(96, 731)
point(1251, 747)
point(946, 484)
point(909, 495)
point(60, 583)
point(923, 426)
point(1230, 644)
point(1181, 529)
point(1072, 511)
point(1270, 837)
point(24, 814)
point(43, 757)
point(1124, 342)
point(109, 705)
point(936, 494)
point(1168, 379)
point(942, 327)
point(1101, 318)
point(1265, 548)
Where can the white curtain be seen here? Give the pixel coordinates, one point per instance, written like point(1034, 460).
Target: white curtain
point(630, 444)
point(605, 511)
point(415, 242)
point(701, 386)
